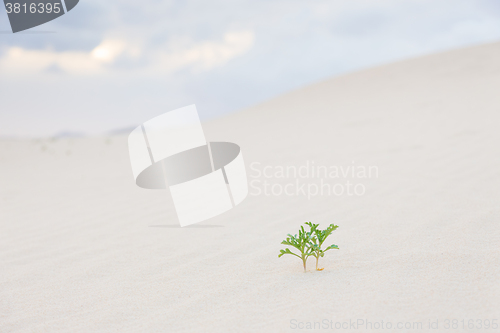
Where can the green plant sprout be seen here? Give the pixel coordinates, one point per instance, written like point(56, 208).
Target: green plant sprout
point(317, 242)
point(309, 243)
point(301, 243)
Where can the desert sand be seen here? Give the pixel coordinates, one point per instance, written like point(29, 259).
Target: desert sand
point(83, 249)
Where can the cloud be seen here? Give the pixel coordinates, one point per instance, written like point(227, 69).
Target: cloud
point(200, 56)
point(206, 55)
point(20, 61)
point(108, 50)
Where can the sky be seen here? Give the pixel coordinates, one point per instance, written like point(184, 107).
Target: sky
point(106, 66)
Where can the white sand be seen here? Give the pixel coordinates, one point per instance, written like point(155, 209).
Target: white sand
point(82, 249)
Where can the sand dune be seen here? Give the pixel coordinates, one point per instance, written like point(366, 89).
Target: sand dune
point(84, 250)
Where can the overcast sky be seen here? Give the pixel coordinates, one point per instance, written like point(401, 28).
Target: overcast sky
point(108, 65)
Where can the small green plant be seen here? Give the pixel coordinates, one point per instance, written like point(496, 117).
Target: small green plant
point(301, 243)
point(317, 242)
point(309, 243)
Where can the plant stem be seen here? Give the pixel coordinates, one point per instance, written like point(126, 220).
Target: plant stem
point(304, 261)
point(317, 259)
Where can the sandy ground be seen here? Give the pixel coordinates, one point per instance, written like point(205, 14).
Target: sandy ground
point(82, 249)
